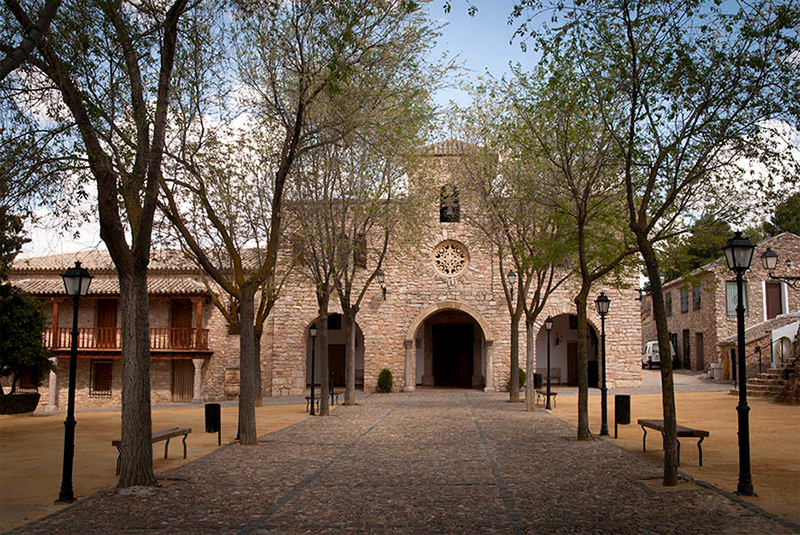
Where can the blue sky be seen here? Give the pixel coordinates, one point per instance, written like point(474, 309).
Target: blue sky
point(480, 42)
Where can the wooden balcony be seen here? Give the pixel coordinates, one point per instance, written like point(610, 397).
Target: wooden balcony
point(95, 339)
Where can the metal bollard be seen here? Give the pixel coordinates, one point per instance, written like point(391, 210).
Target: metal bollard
point(214, 420)
point(622, 411)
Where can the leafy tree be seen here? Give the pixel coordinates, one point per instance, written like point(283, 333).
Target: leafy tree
point(499, 183)
point(703, 243)
point(686, 90)
point(12, 239)
point(786, 217)
point(21, 343)
point(564, 132)
point(100, 78)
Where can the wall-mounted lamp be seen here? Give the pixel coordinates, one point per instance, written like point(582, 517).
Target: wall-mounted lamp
point(379, 276)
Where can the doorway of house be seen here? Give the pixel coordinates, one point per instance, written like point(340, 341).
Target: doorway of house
point(182, 380)
point(336, 361)
point(453, 354)
point(181, 324)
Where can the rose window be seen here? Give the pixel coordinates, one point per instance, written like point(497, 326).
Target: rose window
point(450, 258)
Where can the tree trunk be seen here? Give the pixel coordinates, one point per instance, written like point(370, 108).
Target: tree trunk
point(667, 382)
point(259, 391)
point(530, 366)
point(136, 453)
point(583, 363)
point(513, 385)
point(247, 355)
point(324, 369)
point(350, 358)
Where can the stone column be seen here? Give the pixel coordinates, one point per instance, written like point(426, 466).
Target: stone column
point(409, 372)
point(487, 347)
point(477, 375)
point(427, 376)
point(197, 391)
point(52, 395)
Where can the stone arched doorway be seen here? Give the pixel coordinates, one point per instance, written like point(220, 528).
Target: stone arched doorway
point(336, 353)
point(449, 345)
point(563, 351)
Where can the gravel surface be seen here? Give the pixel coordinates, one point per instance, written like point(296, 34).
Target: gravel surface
point(435, 461)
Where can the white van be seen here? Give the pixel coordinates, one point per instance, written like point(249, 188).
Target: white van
point(651, 355)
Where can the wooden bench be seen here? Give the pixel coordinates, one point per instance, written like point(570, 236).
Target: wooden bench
point(334, 399)
point(158, 436)
point(555, 375)
point(542, 395)
point(683, 431)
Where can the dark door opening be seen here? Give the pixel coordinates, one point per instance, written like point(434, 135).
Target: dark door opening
point(453, 354)
point(336, 359)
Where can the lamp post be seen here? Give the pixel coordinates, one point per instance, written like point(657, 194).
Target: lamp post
point(769, 259)
point(603, 302)
point(76, 283)
point(739, 253)
point(380, 277)
point(512, 280)
point(313, 331)
point(548, 324)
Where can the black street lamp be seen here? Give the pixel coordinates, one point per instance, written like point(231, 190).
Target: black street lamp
point(512, 280)
point(381, 278)
point(548, 324)
point(313, 331)
point(769, 259)
point(603, 302)
point(739, 254)
point(76, 284)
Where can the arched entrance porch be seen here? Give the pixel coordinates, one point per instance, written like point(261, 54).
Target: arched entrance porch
point(564, 352)
point(449, 344)
point(336, 353)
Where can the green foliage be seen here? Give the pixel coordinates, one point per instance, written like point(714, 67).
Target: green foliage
point(19, 403)
point(522, 377)
point(11, 239)
point(703, 244)
point(21, 345)
point(385, 381)
point(786, 217)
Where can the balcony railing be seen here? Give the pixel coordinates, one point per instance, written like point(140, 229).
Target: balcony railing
point(111, 338)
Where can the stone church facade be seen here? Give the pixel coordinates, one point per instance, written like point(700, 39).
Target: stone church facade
point(443, 322)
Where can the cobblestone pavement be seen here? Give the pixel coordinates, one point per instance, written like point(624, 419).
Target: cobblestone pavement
point(435, 461)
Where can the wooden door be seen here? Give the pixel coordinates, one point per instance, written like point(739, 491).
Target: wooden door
point(336, 362)
point(107, 323)
point(182, 381)
point(773, 296)
point(181, 324)
point(572, 363)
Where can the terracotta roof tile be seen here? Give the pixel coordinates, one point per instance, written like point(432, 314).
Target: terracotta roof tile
point(762, 329)
point(109, 286)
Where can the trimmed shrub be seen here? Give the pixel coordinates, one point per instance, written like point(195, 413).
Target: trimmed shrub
point(522, 377)
point(385, 381)
point(18, 403)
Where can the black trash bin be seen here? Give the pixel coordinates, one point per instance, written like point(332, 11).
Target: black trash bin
point(213, 420)
point(537, 380)
point(622, 411)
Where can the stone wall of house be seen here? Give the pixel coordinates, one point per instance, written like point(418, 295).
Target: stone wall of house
point(713, 321)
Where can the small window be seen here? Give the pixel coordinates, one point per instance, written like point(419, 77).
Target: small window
point(684, 300)
point(449, 207)
point(696, 297)
point(573, 322)
point(100, 378)
point(731, 294)
point(334, 322)
point(668, 303)
point(360, 251)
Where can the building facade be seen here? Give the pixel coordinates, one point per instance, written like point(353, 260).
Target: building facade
point(443, 321)
point(701, 308)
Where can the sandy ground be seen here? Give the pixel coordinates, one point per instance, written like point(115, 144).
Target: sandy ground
point(31, 452)
point(774, 441)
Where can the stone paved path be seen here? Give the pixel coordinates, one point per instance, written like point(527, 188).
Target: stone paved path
point(436, 461)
